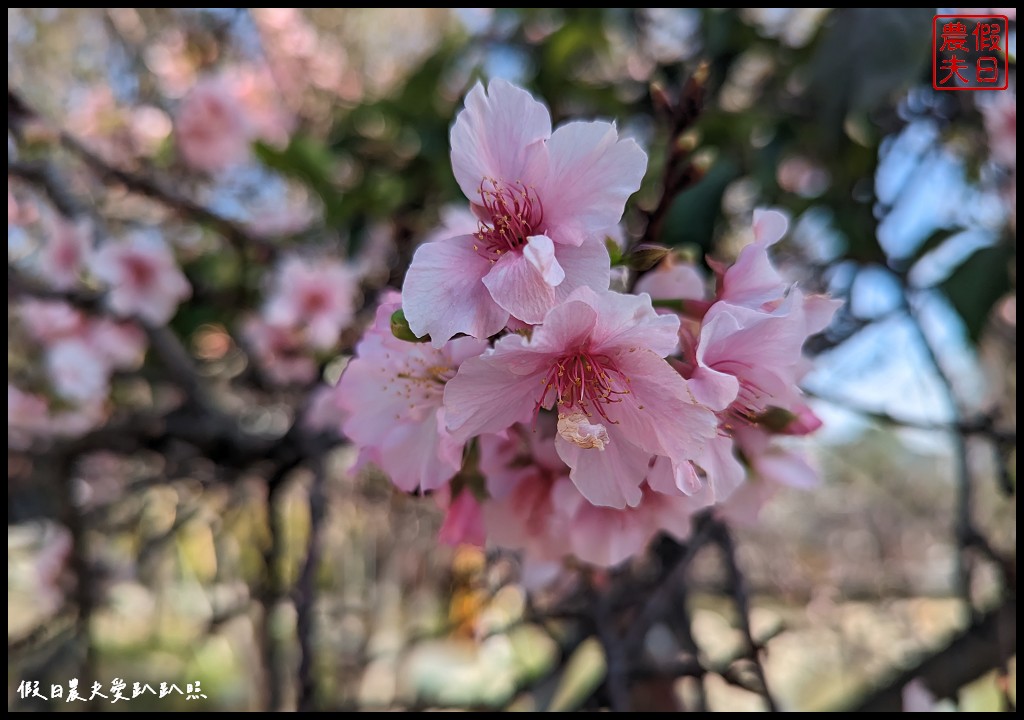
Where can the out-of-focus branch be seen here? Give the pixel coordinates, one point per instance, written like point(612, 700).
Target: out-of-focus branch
point(617, 657)
point(679, 172)
point(85, 592)
point(983, 425)
point(738, 586)
point(305, 589)
point(43, 176)
point(139, 184)
point(972, 653)
point(963, 527)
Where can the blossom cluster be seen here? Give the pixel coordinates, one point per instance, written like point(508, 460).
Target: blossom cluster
point(548, 413)
point(139, 283)
point(311, 301)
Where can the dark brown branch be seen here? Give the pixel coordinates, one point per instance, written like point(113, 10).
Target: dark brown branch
point(139, 184)
point(738, 585)
point(963, 526)
point(678, 174)
point(983, 425)
point(617, 657)
point(305, 590)
point(43, 176)
point(972, 653)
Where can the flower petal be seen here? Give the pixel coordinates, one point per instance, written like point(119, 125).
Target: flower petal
point(769, 226)
point(486, 395)
point(585, 265)
point(496, 135)
point(676, 281)
point(443, 294)
point(590, 175)
point(540, 252)
point(609, 477)
point(659, 414)
point(517, 286)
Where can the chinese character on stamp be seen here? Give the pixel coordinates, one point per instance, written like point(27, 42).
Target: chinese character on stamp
point(969, 52)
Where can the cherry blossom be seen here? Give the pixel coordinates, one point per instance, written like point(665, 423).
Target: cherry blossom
point(316, 297)
point(392, 392)
point(144, 278)
point(598, 358)
point(542, 199)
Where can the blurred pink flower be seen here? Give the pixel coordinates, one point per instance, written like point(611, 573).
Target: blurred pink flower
point(49, 320)
point(917, 697)
point(143, 277)
point(773, 466)
point(212, 130)
point(392, 392)
point(543, 201)
point(600, 359)
point(279, 351)
point(322, 413)
point(26, 417)
point(65, 251)
point(317, 297)
point(264, 109)
point(121, 345)
point(463, 522)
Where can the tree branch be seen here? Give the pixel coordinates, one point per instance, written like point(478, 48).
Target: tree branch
point(972, 653)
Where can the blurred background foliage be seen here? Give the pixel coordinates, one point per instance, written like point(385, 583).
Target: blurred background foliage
point(897, 207)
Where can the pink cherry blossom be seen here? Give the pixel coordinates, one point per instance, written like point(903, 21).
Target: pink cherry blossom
point(773, 466)
point(211, 127)
point(534, 507)
point(279, 351)
point(752, 280)
point(48, 320)
point(65, 251)
point(598, 358)
point(463, 522)
point(752, 359)
point(392, 392)
point(262, 104)
point(144, 278)
point(26, 416)
point(121, 345)
point(317, 297)
point(674, 280)
point(543, 201)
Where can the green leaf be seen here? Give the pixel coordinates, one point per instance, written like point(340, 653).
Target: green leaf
point(976, 286)
point(401, 330)
point(614, 251)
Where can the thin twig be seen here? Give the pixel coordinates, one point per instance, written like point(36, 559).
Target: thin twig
point(972, 653)
point(305, 590)
point(963, 527)
point(616, 655)
point(738, 585)
point(678, 173)
point(983, 425)
point(139, 184)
